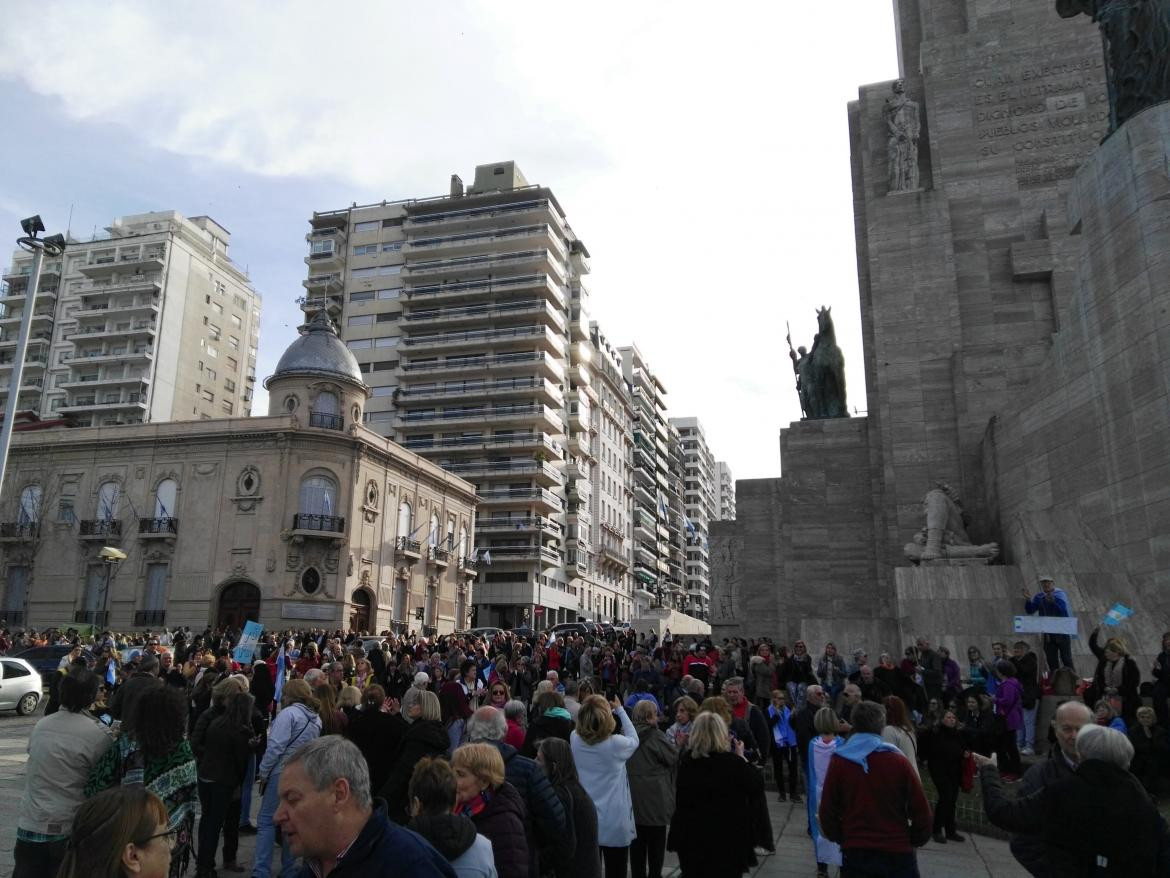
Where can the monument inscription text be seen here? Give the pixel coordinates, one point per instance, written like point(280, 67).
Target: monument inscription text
point(1049, 116)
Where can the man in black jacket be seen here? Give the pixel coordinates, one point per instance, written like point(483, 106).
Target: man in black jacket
point(803, 722)
point(545, 821)
point(1028, 673)
point(1028, 849)
point(330, 820)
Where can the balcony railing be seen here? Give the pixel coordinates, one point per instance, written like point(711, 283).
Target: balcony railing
point(12, 618)
point(159, 526)
point(474, 335)
point(328, 422)
point(440, 555)
point(323, 523)
point(92, 617)
point(144, 618)
point(100, 527)
point(405, 544)
point(19, 530)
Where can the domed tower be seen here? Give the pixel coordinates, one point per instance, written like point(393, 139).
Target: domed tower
point(318, 379)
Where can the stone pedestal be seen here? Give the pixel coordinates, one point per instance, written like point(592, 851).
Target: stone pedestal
point(958, 607)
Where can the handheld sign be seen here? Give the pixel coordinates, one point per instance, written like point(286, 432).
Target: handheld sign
point(1045, 625)
point(246, 648)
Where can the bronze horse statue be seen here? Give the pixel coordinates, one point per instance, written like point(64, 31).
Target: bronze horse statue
point(823, 372)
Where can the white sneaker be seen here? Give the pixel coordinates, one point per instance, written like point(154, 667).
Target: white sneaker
point(1027, 751)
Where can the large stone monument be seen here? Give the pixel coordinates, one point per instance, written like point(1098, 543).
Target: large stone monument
point(1016, 324)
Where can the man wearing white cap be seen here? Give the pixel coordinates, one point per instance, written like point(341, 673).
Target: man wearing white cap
point(1051, 601)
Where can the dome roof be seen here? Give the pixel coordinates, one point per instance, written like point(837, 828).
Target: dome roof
point(319, 352)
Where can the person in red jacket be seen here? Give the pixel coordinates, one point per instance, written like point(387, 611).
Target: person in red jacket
point(872, 803)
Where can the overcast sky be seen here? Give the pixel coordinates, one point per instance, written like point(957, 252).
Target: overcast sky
point(699, 150)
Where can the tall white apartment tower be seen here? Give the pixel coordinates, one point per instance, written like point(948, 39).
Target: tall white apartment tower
point(151, 321)
point(466, 315)
point(699, 481)
point(656, 486)
point(724, 492)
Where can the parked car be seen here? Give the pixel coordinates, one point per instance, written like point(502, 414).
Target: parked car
point(567, 629)
point(46, 659)
point(20, 686)
point(487, 633)
point(524, 631)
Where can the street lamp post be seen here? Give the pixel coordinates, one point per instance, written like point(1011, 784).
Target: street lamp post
point(54, 245)
point(111, 557)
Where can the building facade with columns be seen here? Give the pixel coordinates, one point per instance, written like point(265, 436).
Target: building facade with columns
point(303, 518)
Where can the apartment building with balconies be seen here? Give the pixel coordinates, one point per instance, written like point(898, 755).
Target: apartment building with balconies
point(699, 501)
point(458, 310)
point(656, 490)
point(724, 492)
point(149, 322)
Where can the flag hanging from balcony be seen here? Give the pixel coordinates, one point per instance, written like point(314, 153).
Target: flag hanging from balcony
point(487, 557)
point(689, 526)
point(661, 508)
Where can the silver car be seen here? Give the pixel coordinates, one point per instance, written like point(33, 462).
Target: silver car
point(20, 686)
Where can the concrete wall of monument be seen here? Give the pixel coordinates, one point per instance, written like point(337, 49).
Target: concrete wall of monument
point(798, 561)
point(1079, 464)
point(962, 283)
point(238, 486)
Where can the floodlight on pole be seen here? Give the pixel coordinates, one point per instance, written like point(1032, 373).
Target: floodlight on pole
point(54, 245)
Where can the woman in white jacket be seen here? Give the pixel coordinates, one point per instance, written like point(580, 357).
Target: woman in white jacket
point(601, 758)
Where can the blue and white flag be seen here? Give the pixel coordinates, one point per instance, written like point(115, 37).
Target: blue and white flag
point(246, 648)
point(279, 674)
point(111, 673)
point(689, 526)
point(487, 557)
point(661, 507)
point(1117, 614)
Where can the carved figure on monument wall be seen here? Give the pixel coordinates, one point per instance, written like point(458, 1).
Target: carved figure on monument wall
point(902, 129)
point(820, 374)
point(944, 540)
point(1137, 51)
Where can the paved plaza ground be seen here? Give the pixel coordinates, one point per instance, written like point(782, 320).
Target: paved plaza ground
point(979, 857)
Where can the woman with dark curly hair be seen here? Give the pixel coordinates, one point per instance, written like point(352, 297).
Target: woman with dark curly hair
point(157, 756)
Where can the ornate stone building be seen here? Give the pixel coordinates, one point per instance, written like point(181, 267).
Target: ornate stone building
point(301, 518)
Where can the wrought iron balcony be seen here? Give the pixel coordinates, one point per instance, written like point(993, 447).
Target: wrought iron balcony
point(13, 618)
point(92, 617)
point(407, 546)
point(143, 618)
point(100, 527)
point(19, 530)
point(158, 526)
point(322, 523)
point(328, 422)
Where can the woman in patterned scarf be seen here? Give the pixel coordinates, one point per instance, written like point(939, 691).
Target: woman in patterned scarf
point(156, 756)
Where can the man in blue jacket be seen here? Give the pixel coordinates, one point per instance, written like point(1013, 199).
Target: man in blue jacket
point(1051, 601)
point(329, 819)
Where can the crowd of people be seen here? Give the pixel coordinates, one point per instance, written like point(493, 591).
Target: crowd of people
point(569, 756)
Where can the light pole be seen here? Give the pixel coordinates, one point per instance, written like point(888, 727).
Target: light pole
point(54, 245)
point(111, 557)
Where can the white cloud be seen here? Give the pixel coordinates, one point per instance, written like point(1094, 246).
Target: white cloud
point(700, 152)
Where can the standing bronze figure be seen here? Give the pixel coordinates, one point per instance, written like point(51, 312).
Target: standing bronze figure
point(1137, 51)
point(820, 373)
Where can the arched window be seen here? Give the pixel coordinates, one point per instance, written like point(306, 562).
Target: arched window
point(434, 534)
point(30, 505)
point(165, 497)
point(326, 403)
point(326, 411)
point(108, 496)
point(462, 542)
point(449, 541)
point(318, 496)
point(405, 520)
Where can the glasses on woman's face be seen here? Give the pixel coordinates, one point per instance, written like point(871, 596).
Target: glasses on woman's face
point(169, 838)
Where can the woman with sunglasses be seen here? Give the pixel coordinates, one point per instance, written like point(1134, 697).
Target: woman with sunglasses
point(121, 832)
